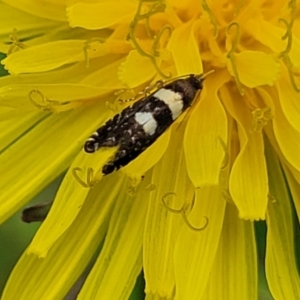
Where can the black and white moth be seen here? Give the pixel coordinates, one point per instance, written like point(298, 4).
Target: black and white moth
point(138, 126)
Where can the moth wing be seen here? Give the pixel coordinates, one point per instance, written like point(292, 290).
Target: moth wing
point(112, 131)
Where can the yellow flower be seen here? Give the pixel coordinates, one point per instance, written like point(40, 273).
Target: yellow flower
point(183, 211)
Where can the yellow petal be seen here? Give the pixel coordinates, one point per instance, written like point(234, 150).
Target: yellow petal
point(100, 73)
point(271, 35)
point(195, 251)
point(248, 190)
point(14, 129)
point(265, 31)
point(50, 97)
point(69, 200)
point(281, 265)
point(162, 226)
point(120, 261)
point(148, 158)
point(35, 92)
point(205, 132)
point(289, 101)
point(294, 188)
point(106, 76)
point(54, 10)
point(285, 133)
point(131, 67)
point(25, 24)
point(52, 277)
point(273, 141)
point(184, 37)
point(100, 15)
point(45, 57)
point(38, 161)
point(234, 274)
point(249, 66)
point(248, 183)
point(185, 6)
point(294, 54)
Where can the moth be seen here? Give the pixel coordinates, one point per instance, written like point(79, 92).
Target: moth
point(138, 126)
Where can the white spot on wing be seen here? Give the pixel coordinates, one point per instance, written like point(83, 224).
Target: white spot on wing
point(172, 99)
point(147, 121)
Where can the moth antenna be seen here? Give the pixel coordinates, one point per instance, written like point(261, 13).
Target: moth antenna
point(203, 76)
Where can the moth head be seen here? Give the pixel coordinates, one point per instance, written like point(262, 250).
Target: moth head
point(196, 81)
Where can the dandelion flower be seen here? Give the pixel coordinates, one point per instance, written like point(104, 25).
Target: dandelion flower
point(184, 210)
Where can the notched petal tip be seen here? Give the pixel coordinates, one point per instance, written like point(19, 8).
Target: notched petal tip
point(251, 74)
